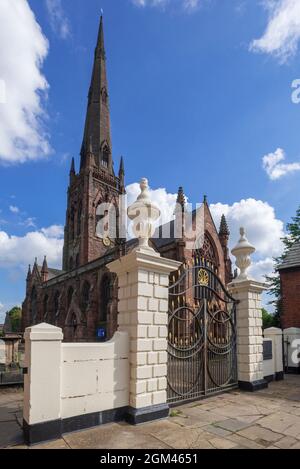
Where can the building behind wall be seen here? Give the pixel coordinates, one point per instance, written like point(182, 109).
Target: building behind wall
point(289, 272)
point(82, 297)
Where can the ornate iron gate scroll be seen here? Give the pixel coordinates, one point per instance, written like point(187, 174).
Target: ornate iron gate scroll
point(202, 356)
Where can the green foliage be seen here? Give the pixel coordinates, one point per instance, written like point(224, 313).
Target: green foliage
point(15, 316)
point(292, 236)
point(269, 320)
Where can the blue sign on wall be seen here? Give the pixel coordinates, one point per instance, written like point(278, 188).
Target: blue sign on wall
point(101, 333)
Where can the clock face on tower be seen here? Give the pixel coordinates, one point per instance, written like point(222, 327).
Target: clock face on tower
point(106, 242)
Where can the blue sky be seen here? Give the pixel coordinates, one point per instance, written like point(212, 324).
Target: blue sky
point(194, 102)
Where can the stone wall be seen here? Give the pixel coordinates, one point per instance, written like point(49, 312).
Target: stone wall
point(94, 377)
point(72, 386)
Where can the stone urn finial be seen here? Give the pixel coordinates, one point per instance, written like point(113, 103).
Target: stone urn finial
point(143, 212)
point(242, 252)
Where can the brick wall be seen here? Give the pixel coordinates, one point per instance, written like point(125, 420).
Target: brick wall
point(290, 289)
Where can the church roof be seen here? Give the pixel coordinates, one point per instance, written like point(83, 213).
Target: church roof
point(52, 273)
point(292, 259)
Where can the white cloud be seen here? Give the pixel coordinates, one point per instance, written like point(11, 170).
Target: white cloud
point(14, 209)
point(22, 133)
point(263, 229)
point(188, 5)
point(164, 200)
point(58, 19)
point(258, 218)
point(29, 222)
point(274, 168)
point(18, 251)
point(282, 34)
point(54, 231)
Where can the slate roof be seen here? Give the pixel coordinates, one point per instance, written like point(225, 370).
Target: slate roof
point(292, 259)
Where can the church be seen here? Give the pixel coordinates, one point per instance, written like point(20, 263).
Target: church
point(82, 297)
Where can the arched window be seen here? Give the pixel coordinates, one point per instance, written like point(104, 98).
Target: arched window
point(79, 214)
point(56, 304)
point(105, 155)
point(71, 263)
point(45, 307)
point(70, 296)
point(72, 224)
point(33, 305)
point(105, 297)
point(207, 254)
point(74, 324)
point(85, 296)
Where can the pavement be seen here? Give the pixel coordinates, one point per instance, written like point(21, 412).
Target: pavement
point(269, 419)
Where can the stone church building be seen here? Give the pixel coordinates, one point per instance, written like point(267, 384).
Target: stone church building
point(82, 297)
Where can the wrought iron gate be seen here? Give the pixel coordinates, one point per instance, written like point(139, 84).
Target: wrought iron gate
point(202, 335)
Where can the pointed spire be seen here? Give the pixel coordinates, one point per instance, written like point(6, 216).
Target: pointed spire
point(205, 199)
point(97, 124)
point(45, 271)
point(179, 213)
point(72, 169)
point(29, 272)
point(224, 230)
point(121, 170)
point(100, 49)
point(181, 200)
point(45, 265)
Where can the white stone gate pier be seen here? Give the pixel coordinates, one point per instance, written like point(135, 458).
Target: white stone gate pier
point(249, 320)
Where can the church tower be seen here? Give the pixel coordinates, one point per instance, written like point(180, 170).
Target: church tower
point(93, 193)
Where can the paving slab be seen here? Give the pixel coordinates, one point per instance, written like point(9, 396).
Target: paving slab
point(216, 430)
point(279, 421)
point(268, 419)
point(222, 443)
point(56, 444)
point(260, 435)
point(233, 425)
point(286, 443)
point(113, 436)
point(10, 434)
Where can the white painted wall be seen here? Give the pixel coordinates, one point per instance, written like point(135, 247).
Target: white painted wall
point(292, 346)
point(269, 365)
point(67, 380)
point(94, 377)
point(276, 334)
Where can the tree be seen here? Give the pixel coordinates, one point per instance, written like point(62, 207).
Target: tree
point(292, 236)
point(13, 320)
point(269, 320)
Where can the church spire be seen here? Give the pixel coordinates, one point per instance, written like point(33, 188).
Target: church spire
point(224, 230)
point(45, 271)
point(121, 172)
point(97, 124)
point(181, 201)
point(72, 169)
